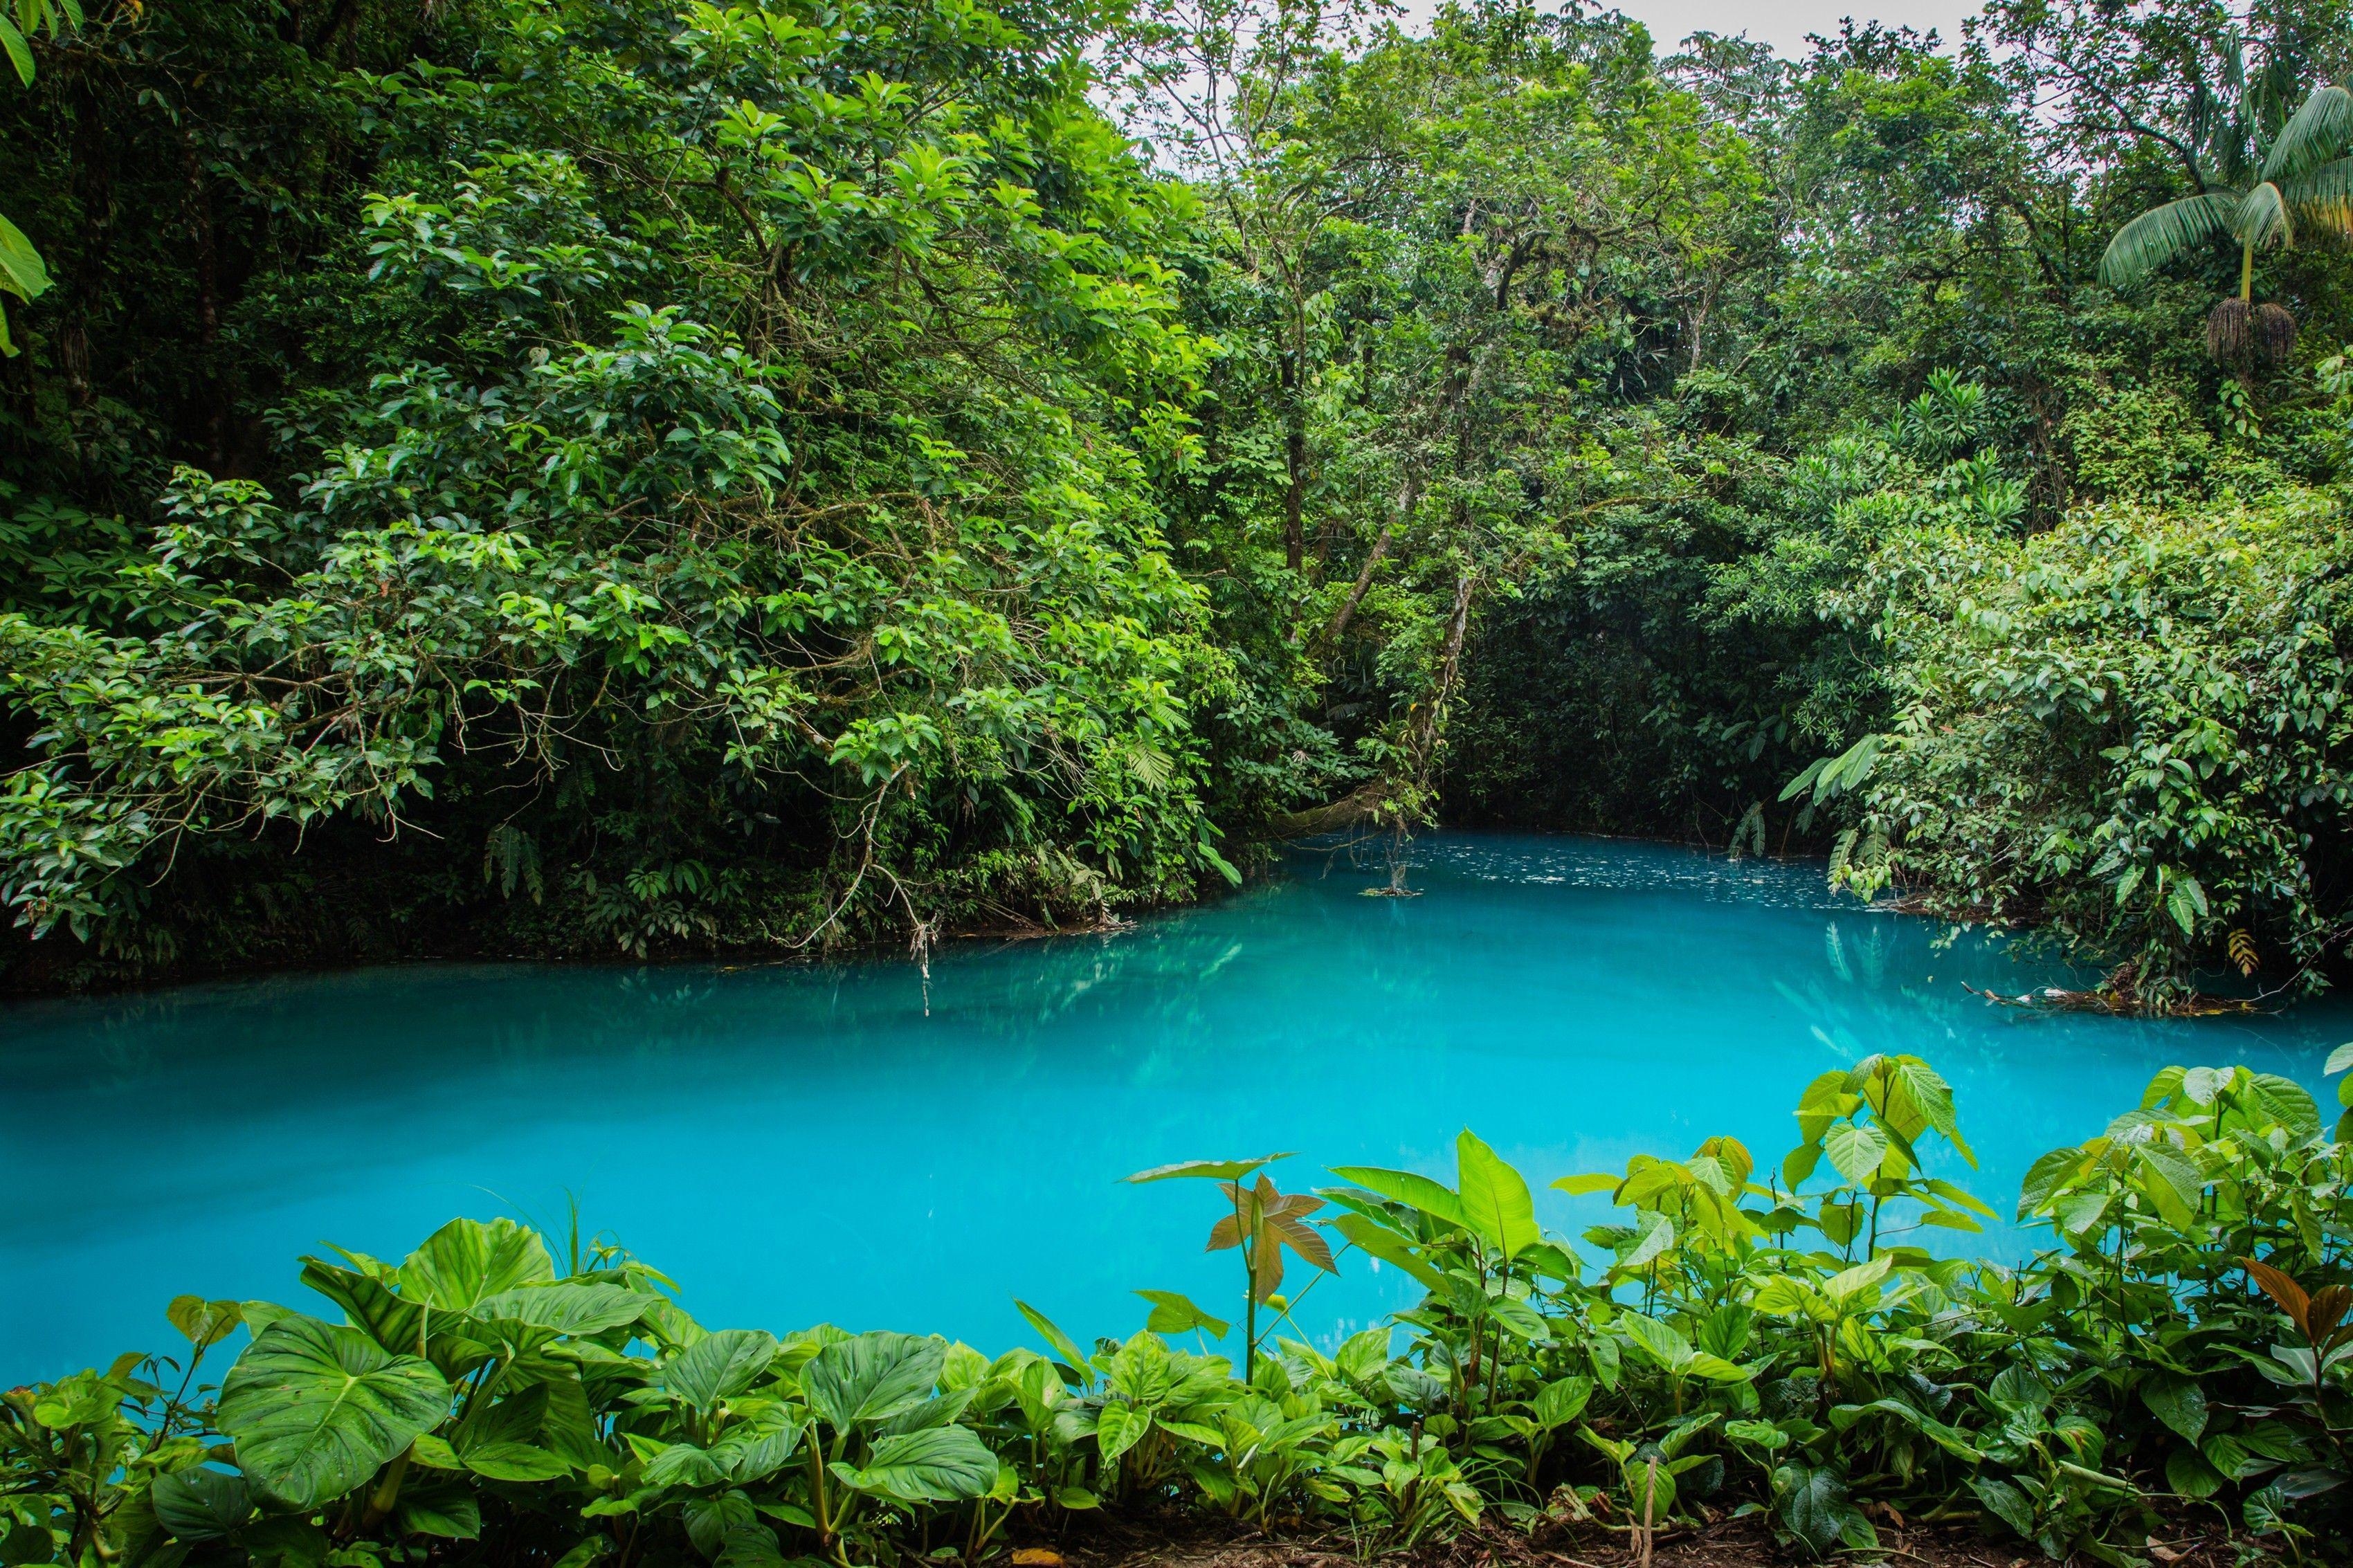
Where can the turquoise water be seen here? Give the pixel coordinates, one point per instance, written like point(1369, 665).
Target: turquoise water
point(850, 1143)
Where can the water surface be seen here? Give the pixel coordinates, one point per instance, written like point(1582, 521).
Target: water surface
point(852, 1144)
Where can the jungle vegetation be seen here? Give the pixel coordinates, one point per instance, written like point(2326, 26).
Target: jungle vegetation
point(1750, 1340)
point(575, 477)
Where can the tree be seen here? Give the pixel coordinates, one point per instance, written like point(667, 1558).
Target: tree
point(2260, 173)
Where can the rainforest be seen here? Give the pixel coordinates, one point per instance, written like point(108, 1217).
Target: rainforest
point(673, 486)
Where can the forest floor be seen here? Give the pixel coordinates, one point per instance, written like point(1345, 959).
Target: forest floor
point(1733, 1544)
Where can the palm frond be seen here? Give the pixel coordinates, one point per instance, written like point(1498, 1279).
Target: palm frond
point(2261, 217)
point(2323, 198)
point(2321, 130)
point(2160, 235)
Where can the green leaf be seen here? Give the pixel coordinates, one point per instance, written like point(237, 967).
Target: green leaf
point(1378, 1241)
point(513, 1461)
point(566, 1307)
point(19, 56)
point(1495, 1198)
point(1814, 1506)
point(872, 1377)
point(759, 1445)
point(1849, 1283)
point(1562, 1401)
point(447, 1510)
point(2178, 1402)
point(2005, 1504)
point(2157, 236)
point(1206, 1170)
point(719, 1366)
point(2286, 1103)
point(2338, 1061)
point(316, 1410)
point(1062, 1343)
point(1856, 1151)
point(1173, 1313)
point(206, 1323)
point(683, 1465)
point(946, 1464)
point(201, 1504)
point(1413, 1190)
point(2188, 1474)
point(466, 1261)
point(1662, 1342)
point(1119, 1426)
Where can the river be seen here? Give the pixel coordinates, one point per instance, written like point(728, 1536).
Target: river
point(857, 1143)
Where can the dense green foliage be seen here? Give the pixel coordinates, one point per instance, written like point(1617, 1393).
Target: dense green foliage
point(578, 476)
point(1774, 1344)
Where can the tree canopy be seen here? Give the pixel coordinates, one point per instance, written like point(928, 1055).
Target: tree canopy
point(580, 476)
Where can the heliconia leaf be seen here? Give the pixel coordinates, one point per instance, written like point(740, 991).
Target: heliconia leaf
point(1494, 1197)
point(1592, 1182)
point(1410, 1188)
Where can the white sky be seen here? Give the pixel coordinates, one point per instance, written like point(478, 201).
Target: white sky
point(1784, 24)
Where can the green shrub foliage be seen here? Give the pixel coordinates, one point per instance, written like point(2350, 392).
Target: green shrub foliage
point(1745, 1340)
point(647, 476)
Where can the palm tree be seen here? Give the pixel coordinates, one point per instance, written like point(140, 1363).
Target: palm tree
point(2261, 181)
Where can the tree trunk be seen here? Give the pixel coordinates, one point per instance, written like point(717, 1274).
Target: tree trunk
point(1294, 457)
point(1408, 499)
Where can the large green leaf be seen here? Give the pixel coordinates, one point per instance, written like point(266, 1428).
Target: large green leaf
point(1380, 1241)
point(568, 1307)
point(1660, 1341)
point(466, 1260)
point(2178, 1402)
point(315, 1409)
point(946, 1464)
point(2005, 1502)
point(1494, 1197)
point(372, 1305)
point(1408, 1187)
point(2320, 129)
point(2157, 236)
point(201, 1504)
point(1856, 1151)
point(718, 1365)
point(1814, 1505)
point(759, 1444)
point(872, 1377)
